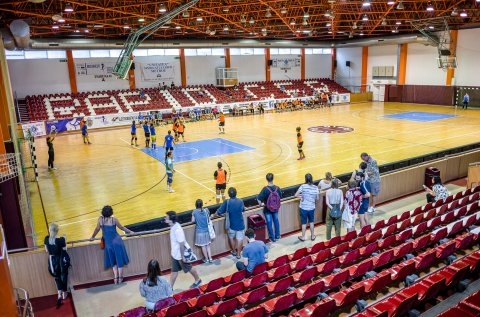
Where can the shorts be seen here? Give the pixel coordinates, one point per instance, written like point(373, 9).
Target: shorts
point(363, 208)
point(134, 134)
point(300, 145)
point(375, 188)
point(306, 216)
point(221, 124)
point(154, 138)
point(236, 234)
point(147, 134)
point(180, 133)
point(220, 186)
point(168, 148)
point(179, 265)
point(169, 177)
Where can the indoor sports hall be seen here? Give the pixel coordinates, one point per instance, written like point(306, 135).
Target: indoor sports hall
point(341, 139)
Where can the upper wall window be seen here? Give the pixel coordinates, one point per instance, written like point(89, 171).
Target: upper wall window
point(14, 54)
point(295, 51)
point(35, 54)
point(218, 51)
point(56, 54)
point(246, 51)
point(258, 51)
point(204, 51)
point(156, 52)
point(190, 52)
point(81, 54)
point(99, 53)
point(172, 52)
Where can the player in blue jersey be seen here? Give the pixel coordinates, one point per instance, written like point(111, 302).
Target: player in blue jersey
point(153, 136)
point(134, 133)
point(168, 143)
point(86, 140)
point(170, 171)
point(147, 133)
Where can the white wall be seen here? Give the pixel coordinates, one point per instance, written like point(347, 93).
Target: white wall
point(422, 68)
point(85, 84)
point(278, 74)
point(250, 67)
point(381, 56)
point(140, 83)
point(468, 52)
point(349, 76)
point(201, 69)
point(318, 66)
point(39, 76)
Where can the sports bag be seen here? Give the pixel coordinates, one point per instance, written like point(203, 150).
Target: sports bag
point(273, 200)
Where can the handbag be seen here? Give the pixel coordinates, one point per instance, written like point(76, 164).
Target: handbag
point(189, 256)
point(102, 243)
point(211, 229)
point(227, 218)
point(335, 211)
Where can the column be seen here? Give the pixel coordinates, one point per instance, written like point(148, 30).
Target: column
point(131, 75)
point(267, 65)
point(334, 60)
point(227, 57)
point(183, 71)
point(453, 48)
point(71, 72)
point(402, 63)
point(363, 87)
point(302, 63)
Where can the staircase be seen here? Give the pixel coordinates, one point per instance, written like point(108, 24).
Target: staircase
point(22, 110)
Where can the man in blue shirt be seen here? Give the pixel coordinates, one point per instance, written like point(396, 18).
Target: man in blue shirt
point(365, 189)
point(235, 224)
point(134, 133)
point(254, 253)
point(86, 140)
point(168, 143)
point(466, 100)
point(147, 133)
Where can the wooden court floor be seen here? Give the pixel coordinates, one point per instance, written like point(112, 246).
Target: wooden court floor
point(110, 171)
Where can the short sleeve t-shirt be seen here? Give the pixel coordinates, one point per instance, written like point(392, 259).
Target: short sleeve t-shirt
point(235, 212)
point(169, 140)
point(265, 193)
point(365, 188)
point(134, 129)
point(441, 192)
point(255, 253)
point(145, 128)
point(169, 165)
point(177, 236)
point(152, 130)
point(84, 129)
point(323, 185)
point(372, 167)
point(309, 196)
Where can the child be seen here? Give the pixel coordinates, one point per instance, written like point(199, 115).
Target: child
point(181, 129)
point(86, 140)
point(147, 133)
point(134, 133)
point(300, 144)
point(170, 171)
point(153, 136)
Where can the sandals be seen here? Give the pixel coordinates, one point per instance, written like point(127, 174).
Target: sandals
point(120, 280)
point(301, 239)
point(313, 238)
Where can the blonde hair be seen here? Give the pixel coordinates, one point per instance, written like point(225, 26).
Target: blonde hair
point(328, 176)
point(52, 230)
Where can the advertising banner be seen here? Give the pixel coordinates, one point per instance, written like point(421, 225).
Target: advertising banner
point(63, 125)
point(94, 71)
point(286, 63)
point(340, 98)
point(111, 120)
point(34, 129)
point(157, 72)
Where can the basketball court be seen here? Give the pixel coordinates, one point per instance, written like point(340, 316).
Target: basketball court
point(132, 179)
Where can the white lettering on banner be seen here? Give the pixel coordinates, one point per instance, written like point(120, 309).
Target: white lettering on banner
point(158, 72)
point(34, 129)
point(95, 71)
point(111, 120)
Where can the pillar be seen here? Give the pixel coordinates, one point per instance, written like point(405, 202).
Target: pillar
point(302, 63)
point(334, 60)
point(227, 57)
point(72, 72)
point(267, 64)
point(402, 64)
point(131, 75)
point(453, 48)
point(183, 71)
point(363, 87)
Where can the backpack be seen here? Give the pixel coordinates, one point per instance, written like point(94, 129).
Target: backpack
point(273, 200)
point(335, 211)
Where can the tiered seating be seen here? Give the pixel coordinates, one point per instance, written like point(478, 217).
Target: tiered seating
point(58, 106)
point(307, 282)
point(468, 307)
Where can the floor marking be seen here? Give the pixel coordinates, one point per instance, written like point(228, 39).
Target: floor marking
point(133, 146)
point(195, 181)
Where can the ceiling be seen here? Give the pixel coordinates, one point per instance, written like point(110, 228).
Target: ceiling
point(272, 19)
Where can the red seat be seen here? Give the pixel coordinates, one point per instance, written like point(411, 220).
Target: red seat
point(333, 242)
point(378, 282)
point(254, 312)
point(350, 257)
point(253, 296)
point(203, 301)
point(365, 230)
point(426, 288)
point(349, 236)
point(457, 311)
point(213, 285)
point(231, 290)
point(360, 269)
point(328, 266)
point(369, 249)
point(174, 310)
point(256, 281)
point(421, 242)
point(444, 250)
point(279, 272)
point(317, 247)
point(300, 264)
point(379, 225)
point(186, 295)
point(198, 313)
point(417, 220)
point(404, 225)
point(374, 236)
point(163, 303)
point(387, 242)
point(223, 308)
point(464, 241)
point(135, 312)
point(281, 260)
point(455, 273)
point(425, 260)
point(260, 268)
point(340, 249)
point(391, 229)
point(401, 271)
point(473, 301)
point(395, 305)
point(337, 279)
point(357, 243)
point(310, 290)
point(402, 250)
point(235, 277)
point(392, 220)
point(348, 296)
point(279, 304)
point(300, 253)
point(321, 256)
point(439, 235)
point(305, 275)
point(281, 285)
point(322, 308)
point(382, 259)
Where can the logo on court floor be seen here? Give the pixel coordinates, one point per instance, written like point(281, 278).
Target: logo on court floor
point(330, 129)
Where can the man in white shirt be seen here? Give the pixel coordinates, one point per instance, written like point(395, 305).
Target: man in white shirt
point(178, 245)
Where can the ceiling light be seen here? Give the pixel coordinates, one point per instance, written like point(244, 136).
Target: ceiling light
point(225, 27)
point(268, 14)
point(395, 30)
point(305, 22)
point(98, 26)
point(431, 27)
point(384, 21)
point(454, 12)
point(185, 14)
point(328, 13)
point(61, 20)
point(361, 34)
point(226, 9)
point(463, 14)
point(329, 32)
point(213, 32)
point(126, 26)
point(306, 15)
point(307, 31)
point(292, 22)
point(398, 23)
point(365, 17)
point(178, 27)
point(243, 19)
point(328, 24)
point(87, 31)
point(400, 5)
point(354, 26)
point(55, 27)
point(68, 8)
point(350, 35)
point(366, 3)
point(430, 7)
point(283, 10)
point(162, 8)
point(141, 19)
point(390, 2)
point(264, 30)
point(252, 21)
point(77, 31)
point(199, 19)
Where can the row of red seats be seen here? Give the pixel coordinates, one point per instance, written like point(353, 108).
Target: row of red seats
point(468, 307)
point(302, 275)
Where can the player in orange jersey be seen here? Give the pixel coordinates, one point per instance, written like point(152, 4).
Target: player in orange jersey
point(221, 123)
point(180, 129)
point(220, 177)
point(300, 144)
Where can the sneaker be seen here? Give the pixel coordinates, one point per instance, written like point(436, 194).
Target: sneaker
point(234, 253)
point(196, 284)
point(54, 168)
point(171, 191)
point(238, 257)
point(371, 210)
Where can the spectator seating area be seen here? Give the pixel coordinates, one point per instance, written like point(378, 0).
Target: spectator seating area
point(469, 307)
point(60, 106)
point(418, 255)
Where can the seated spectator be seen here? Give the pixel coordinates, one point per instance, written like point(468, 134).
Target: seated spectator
point(172, 85)
point(154, 287)
point(352, 201)
point(234, 224)
point(438, 191)
point(254, 253)
point(326, 183)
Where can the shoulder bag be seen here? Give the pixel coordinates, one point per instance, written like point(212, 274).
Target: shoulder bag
point(211, 229)
point(227, 218)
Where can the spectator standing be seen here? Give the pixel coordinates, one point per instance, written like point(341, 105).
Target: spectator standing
point(438, 191)
point(308, 194)
point(54, 247)
point(201, 217)
point(373, 177)
point(352, 202)
point(172, 85)
point(334, 198)
point(466, 100)
point(365, 189)
point(269, 198)
point(325, 183)
point(254, 253)
point(178, 245)
point(115, 254)
point(154, 287)
point(361, 168)
point(233, 209)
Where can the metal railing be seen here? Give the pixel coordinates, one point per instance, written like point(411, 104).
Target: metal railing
point(23, 303)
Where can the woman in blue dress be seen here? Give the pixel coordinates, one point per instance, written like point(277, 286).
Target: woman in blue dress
point(115, 254)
